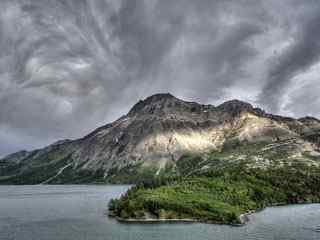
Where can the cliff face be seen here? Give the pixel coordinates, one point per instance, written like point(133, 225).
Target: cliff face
point(154, 136)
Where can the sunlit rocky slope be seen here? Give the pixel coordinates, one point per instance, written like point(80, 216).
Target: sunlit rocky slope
point(157, 138)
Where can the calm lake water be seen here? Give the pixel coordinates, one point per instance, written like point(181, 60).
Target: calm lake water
point(77, 212)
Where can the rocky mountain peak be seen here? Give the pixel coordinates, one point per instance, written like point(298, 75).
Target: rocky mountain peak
point(235, 107)
point(309, 119)
point(156, 104)
point(165, 103)
point(160, 97)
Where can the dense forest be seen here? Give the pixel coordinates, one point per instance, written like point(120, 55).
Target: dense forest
point(219, 195)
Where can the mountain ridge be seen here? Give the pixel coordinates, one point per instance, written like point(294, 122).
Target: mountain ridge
point(152, 137)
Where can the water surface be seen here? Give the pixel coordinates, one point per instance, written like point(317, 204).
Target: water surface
point(77, 212)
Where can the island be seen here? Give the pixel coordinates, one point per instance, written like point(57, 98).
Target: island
point(223, 195)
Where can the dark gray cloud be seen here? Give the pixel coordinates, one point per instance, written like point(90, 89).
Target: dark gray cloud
point(302, 53)
point(68, 66)
point(305, 100)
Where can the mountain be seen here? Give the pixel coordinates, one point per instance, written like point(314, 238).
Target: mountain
point(157, 138)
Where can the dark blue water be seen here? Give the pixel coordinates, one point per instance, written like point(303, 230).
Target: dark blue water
point(74, 212)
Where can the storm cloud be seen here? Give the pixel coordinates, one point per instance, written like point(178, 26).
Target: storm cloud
point(69, 66)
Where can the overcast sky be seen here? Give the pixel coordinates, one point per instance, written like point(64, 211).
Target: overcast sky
point(69, 66)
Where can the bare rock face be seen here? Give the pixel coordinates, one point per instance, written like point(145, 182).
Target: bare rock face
point(153, 137)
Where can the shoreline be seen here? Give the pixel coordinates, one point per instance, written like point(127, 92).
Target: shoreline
point(243, 220)
point(156, 220)
point(244, 217)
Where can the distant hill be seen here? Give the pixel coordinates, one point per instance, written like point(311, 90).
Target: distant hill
point(161, 135)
